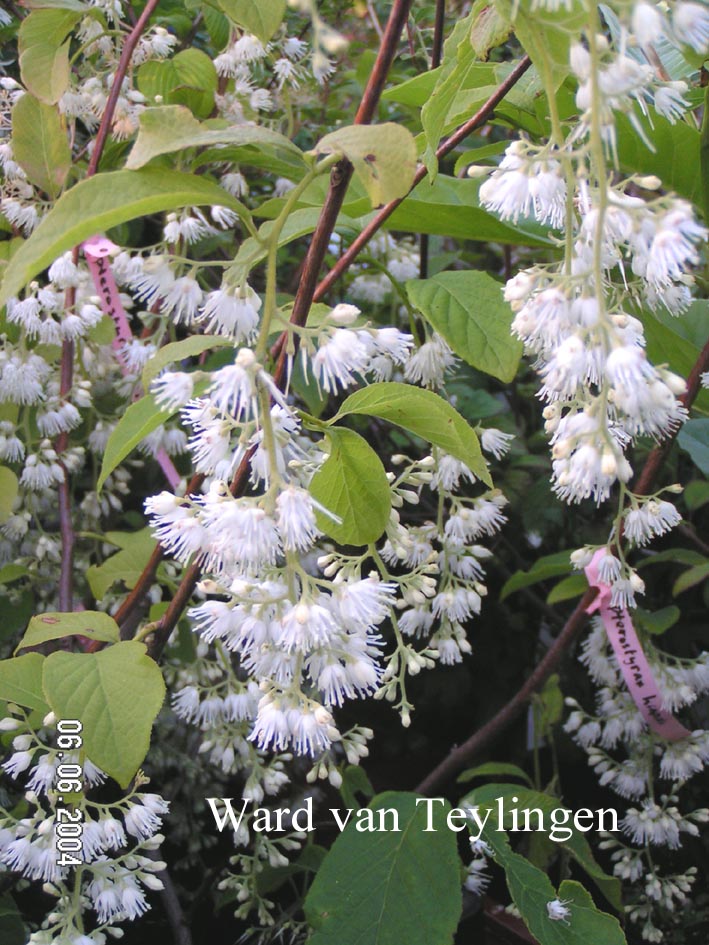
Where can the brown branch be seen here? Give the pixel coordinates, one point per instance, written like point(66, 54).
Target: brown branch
point(121, 70)
point(304, 297)
point(66, 528)
point(658, 454)
point(463, 754)
point(479, 118)
point(66, 569)
point(436, 55)
point(358, 244)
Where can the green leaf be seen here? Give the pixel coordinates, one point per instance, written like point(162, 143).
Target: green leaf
point(178, 351)
point(116, 693)
point(478, 156)
point(451, 208)
point(457, 71)
point(696, 494)
point(126, 565)
point(387, 887)
point(8, 492)
point(12, 572)
point(674, 156)
point(424, 414)
point(53, 626)
point(352, 484)
point(95, 205)
point(690, 578)
point(189, 78)
point(39, 144)
point(545, 34)
point(468, 309)
point(173, 128)
point(531, 888)
point(262, 18)
point(21, 681)
point(383, 156)
point(675, 556)
point(43, 54)
point(694, 439)
point(678, 342)
point(492, 769)
point(658, 621)
point(355, 781)
point(139, 420)
point(544, 568)
point(12, 929)
point(489, 28)
point(572, 586)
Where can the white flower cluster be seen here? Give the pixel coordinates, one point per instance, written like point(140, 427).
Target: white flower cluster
point(644, 769)
point(624, 252)
point(305, 628)
point(119, 841)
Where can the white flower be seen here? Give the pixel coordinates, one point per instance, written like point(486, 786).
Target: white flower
point(232, 312)
point(338, 358)
point(182, 300)
point(558, 910)
point(296, 519)
point(428, 364)
point(495, 442)
point(172, 389)
point(690, 22)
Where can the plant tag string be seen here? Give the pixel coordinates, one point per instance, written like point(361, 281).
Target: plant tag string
point(632, 661)
point(97, 251)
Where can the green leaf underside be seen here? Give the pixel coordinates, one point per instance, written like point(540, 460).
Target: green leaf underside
point(424, 414)
point(95, 205)
point(468, 309)
point(383, 156)
point(173, 128)
point(21, 681)
point(8, 492)
point(44, 54)
point(262, 18)
point(40, 145)
point(139, 421)
point(389, 888)
point(352, 484)
point(53, 626)
point(116, 693)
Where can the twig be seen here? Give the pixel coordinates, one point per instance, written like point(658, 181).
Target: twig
point(373, 227)
point(436, 54)
point(313, 263)
point(181, 934)
point(462, 755)
point(66, 528)
point(113, 96)
point(658, 454)
point(66, 570)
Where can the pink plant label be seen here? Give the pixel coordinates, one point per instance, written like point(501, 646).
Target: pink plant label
point(98, 250)
point(633, 663)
